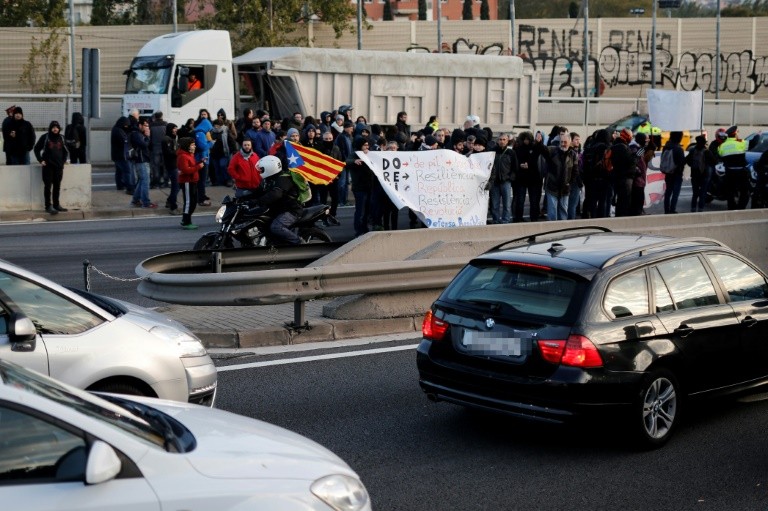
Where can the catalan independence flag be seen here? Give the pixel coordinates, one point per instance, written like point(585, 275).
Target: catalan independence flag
point(316, 167)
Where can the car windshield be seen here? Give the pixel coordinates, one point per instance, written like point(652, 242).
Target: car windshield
point(759, 145)
point(82, 402)
point(630, 121)
point(517, 289)
point(149, 75)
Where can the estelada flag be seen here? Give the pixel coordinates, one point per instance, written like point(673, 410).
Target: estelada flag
point(316, 167)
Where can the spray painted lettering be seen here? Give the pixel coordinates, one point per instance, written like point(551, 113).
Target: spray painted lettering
point(626, 60)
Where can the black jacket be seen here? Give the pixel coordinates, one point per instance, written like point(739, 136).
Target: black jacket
point(504, 165)
point(51, 149)
point(24, 139)
point(280, 194)
point(119, 140)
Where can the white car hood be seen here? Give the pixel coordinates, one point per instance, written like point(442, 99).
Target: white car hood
point(235, 447)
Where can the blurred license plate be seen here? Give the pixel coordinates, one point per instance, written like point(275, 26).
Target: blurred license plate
point(491, 343)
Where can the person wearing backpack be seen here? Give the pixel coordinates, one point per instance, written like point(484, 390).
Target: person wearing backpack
point(280, 195)
point(701, 161)
point(75, 138)
point(672, 165)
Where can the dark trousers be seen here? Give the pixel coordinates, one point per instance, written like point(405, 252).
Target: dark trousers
point(189, 191)
point(637, 201)
point(332, 190)
point(52, 185)
point(533, 188)
point(737, 182)
point(124, 178)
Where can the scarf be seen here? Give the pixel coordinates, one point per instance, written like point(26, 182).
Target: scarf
point(223, 132)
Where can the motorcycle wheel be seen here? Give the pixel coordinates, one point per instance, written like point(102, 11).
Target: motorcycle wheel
point(314, 234)
point(212, 241)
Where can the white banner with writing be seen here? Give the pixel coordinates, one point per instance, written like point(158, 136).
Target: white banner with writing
point(673, 110)
point(443, 188)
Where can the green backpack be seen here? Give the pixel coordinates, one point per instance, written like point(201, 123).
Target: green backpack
point(305, 193)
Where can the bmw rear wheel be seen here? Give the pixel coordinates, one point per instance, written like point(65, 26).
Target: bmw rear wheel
point(658, 409)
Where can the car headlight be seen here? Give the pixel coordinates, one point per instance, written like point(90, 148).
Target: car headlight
point(187, 345)
point(220, 214)
point(342, 493)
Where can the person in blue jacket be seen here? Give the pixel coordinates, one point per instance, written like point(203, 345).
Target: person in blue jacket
point(204, 143)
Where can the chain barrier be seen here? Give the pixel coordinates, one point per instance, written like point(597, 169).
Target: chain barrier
point(87, 267)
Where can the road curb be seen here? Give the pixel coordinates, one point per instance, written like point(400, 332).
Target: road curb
point(317, 331)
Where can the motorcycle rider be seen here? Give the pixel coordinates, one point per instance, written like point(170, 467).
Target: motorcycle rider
point(243, 169)
point(733, 154)
point(280, 194)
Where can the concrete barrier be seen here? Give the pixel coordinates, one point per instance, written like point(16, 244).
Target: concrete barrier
point(21, 187)
point(744, 231)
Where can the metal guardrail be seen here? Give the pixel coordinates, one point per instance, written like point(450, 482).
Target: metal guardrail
point(174, 278)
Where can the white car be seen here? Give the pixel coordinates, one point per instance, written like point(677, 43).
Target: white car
point(97, 343)
point(65, 449)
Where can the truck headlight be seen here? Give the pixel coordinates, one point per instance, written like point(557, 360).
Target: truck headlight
point(342, 493)
point(186, 344)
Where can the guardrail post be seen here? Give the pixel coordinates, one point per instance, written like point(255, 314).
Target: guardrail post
point(299, 313)
point(216, 262)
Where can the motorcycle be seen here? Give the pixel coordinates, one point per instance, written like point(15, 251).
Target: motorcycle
point(248, 224)
point(717, 189)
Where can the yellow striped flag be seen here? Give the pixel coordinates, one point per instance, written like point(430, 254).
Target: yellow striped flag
point(316, 167)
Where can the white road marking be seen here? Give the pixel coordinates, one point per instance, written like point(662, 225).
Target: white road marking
point(328, 356)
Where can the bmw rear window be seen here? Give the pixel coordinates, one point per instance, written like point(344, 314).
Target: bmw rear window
point(517, 289)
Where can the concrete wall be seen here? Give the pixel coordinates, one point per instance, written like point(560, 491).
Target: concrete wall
point(21, 187)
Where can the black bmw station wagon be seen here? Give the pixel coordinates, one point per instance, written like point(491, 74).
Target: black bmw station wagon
point(583, 321)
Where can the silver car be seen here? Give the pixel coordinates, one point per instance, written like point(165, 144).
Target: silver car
point(98, 343)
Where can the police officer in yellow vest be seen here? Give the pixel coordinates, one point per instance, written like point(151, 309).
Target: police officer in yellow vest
point(652, 132)
point(732, 153)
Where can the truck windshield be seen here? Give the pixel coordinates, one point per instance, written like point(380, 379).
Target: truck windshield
point(149, 75)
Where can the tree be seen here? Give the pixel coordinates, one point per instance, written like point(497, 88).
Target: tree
point(466, 10)
point(423, 9)
point(249, 22)
point(46, 63)
point(388, 11)
point(573, 10)
point(484, 10)
point(133, 12)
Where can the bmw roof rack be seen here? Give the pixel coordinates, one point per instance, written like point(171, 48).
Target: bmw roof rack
point(660, 244)
point(533, 238)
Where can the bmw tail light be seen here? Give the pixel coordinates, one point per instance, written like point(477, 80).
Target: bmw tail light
point(433, 328)
point(551, 351)
point(577, 351)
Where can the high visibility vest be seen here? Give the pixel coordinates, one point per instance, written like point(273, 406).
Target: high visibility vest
point(732, 146)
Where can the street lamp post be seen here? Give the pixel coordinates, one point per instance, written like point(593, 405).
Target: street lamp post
point(717, 54)
point(512, 23)
point(653, 47)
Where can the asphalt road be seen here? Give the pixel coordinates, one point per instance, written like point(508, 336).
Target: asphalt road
point(413, 454)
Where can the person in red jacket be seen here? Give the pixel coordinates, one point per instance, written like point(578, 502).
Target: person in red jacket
point(188, 176)
point(242, 168)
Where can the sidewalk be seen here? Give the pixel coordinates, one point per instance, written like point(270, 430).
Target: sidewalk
point(236, 326)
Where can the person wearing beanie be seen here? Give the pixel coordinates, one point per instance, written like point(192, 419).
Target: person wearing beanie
point(51, 152)
point(344, 143)
point(189, 174)
point(7, 122)
point(429, 143)
point(169, 147)
point(18, 138)
point(203, 145)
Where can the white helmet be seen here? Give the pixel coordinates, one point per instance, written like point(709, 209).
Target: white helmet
point(269, 166)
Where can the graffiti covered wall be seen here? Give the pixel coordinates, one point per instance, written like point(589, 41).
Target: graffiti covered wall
point(620, 52)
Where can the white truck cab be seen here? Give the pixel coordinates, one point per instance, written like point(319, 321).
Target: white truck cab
point(159, 76)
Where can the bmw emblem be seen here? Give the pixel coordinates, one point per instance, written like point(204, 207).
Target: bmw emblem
point(489, 323)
